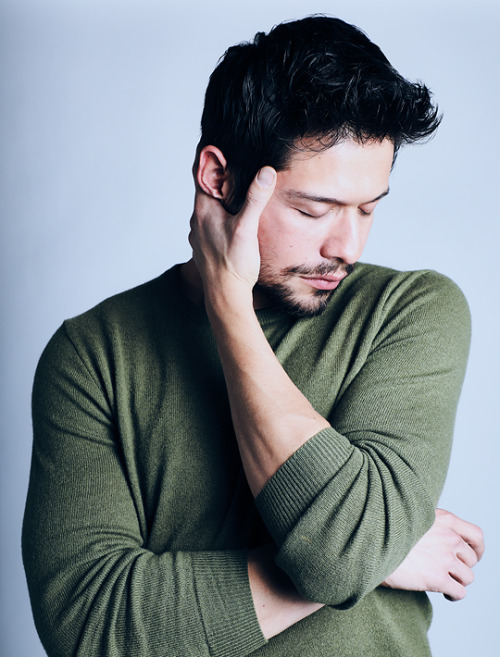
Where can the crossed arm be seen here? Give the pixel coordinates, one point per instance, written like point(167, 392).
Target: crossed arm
point(273, 419)
point(97, 582)
point(441, 562)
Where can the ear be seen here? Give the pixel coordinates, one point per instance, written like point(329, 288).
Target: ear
point(212, 175)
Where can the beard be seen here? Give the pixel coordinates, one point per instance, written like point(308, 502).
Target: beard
point(282, 295)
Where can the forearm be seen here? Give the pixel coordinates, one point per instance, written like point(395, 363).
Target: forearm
point(271, 417)
point(300, 479)
point(278, 605)
point(344, 502)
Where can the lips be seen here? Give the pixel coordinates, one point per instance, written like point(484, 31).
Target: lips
point(324, 282)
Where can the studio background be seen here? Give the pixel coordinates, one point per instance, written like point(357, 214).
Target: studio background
point(99, 106)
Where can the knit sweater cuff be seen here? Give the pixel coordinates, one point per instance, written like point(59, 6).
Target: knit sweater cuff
point(288, 494)
point(227, 609)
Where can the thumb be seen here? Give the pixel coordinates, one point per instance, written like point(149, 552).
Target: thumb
point(260, 191)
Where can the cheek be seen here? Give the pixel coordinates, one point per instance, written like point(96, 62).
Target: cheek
point(285, 239)
point(282, 228)
point(273, 232)
point(279, 245)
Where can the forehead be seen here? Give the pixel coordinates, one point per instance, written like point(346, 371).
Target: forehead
point(349, 170)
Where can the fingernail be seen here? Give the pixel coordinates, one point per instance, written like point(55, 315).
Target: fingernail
point(265, 177)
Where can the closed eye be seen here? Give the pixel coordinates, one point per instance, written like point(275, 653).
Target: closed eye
point(308, 214)
point(367, 209)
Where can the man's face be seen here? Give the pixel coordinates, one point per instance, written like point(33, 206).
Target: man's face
point(316, 224)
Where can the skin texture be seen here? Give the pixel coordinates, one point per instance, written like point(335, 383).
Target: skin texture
point(312, 230)
point(443, 559)
point(296, 236)
point(316, 224)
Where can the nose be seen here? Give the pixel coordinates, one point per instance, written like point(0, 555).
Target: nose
point(346, 236)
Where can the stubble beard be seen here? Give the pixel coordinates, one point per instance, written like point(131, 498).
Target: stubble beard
point(283, 296)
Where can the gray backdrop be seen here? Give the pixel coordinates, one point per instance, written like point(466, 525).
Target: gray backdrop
point(100, 104)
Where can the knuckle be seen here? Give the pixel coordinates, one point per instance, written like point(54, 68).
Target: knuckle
point(449, 560)
point(450, 538)
point(252, 193)
point(253, 199)
point(478, 535)
point(443, 514)
point(257, 197)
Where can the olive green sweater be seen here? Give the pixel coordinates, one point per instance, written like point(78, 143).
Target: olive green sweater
point(139, 516)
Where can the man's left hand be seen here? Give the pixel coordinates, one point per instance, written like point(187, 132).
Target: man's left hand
point(443, 559)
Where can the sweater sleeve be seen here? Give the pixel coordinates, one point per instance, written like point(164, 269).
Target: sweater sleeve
point(349, 505)
point(95, 589)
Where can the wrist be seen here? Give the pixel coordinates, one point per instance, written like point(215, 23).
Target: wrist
point(229, 301)
point(278, 605)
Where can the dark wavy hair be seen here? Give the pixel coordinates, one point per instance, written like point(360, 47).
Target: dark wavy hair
point(318, 78)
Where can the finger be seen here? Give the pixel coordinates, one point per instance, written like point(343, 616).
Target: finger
point(207, 206)
point(471, 534)
point(259, 193)
point(462, 573)
point(467, 555)
point(453, 590)
point(475, 538)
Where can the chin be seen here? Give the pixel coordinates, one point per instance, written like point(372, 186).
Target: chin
point(280, 296)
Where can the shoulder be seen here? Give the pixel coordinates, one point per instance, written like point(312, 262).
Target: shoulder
point(380, 303)
point(407, 282)
point(130, 305)
point(113, 325)
point(146, 307)
point(395, 290)
point(422, 304)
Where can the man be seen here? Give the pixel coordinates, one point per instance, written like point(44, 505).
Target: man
point(244, 455)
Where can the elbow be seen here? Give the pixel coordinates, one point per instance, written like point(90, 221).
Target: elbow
point(321, 580)
point(58, 616)
point(58, 634)
point(340, 594)
point(341, 574)
point(54, 632)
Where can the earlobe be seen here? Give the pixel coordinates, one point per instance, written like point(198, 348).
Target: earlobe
point(212, 174)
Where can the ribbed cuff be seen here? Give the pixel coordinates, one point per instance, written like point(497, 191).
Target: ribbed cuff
point(226, 604)
point(290, 491)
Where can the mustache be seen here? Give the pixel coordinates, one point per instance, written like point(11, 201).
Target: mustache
point(323, 269)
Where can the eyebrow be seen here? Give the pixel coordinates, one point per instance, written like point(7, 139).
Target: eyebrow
point(327, 199)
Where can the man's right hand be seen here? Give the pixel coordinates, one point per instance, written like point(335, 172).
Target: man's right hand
point(225, 246)
point(443, 559)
